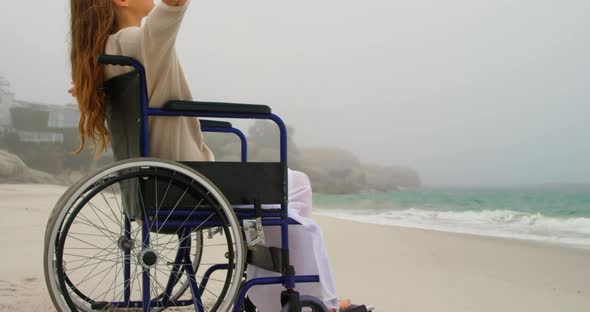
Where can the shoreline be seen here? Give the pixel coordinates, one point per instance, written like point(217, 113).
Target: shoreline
point(479, 235)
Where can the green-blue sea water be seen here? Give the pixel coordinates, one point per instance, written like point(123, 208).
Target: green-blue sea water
point(555, 215)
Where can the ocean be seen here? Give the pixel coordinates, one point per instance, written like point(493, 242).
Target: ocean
point(558, 216)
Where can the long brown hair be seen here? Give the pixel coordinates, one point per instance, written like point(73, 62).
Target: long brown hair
point(92, 21)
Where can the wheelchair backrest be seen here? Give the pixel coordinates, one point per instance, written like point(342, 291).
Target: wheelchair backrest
point(123, 114)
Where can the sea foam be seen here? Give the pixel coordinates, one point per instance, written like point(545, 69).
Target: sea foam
point(496, 223)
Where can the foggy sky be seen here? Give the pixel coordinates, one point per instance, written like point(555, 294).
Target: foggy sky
point(465, 91)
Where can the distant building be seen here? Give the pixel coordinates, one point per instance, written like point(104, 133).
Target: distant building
point(6, 102)
point(64, 117)
point(38, 122)
point(35, 122)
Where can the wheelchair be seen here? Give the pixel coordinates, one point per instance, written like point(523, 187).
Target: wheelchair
point(146, 234)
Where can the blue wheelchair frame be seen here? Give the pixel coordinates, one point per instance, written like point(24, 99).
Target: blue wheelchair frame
point(288, 279)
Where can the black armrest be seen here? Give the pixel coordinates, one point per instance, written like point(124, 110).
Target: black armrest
point(117, 60)
point(216, 107)
point(215, 124)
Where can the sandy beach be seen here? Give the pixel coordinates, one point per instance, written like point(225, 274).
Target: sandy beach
point(393, 268)
point(402, 269)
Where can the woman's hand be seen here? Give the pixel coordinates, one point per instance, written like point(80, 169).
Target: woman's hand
point(175, 2)
point(72, 90)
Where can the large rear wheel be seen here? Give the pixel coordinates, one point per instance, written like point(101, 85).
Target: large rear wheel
point(98, 258)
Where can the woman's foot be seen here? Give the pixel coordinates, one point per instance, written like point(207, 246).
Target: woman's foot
point(343, 305)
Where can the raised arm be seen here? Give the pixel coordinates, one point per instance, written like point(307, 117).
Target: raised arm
point(161, 28)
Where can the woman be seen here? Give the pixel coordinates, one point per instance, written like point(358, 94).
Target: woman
point(115, 27)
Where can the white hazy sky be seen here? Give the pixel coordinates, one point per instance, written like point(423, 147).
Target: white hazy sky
point(465, 91)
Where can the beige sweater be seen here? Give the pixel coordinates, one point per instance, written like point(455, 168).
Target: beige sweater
point(153, 44)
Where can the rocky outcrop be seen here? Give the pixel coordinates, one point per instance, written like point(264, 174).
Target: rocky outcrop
point(331, 170)
point(383, 179)
point(337, 171)
point(14, 170)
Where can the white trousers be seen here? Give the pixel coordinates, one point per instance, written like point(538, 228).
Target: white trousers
point(307, 252)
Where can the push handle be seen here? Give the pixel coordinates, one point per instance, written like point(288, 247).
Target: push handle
point(105, 59)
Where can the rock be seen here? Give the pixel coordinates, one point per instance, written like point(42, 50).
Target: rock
point(332, 170)
point(390, 178)
point(10, 165)
point(14, 170)
point(337, 171)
